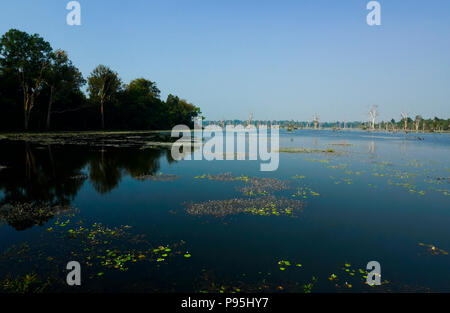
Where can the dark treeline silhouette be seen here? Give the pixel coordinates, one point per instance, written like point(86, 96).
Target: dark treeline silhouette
point(37, 181)
point(40, 89)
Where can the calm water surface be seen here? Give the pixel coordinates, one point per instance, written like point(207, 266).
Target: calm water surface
point(138, 221)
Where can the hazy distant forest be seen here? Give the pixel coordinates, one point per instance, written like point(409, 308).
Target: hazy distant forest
point(41, 89)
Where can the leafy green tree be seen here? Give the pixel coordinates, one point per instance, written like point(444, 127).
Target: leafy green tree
point(143, 87)
point(34, 78)
point(104, 84)
point(26, 57)
point(61, 78)
point(139, 105)
point(179, 111)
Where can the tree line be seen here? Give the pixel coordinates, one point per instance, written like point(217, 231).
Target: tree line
point(418, 124)
point(405, 123)
point(41, 89)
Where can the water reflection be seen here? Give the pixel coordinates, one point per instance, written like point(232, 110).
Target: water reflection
point(371, 148)
point(39, 181)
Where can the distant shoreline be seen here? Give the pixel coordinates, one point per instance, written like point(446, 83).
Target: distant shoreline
point(125, 132)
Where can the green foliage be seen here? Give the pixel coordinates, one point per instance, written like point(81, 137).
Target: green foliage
point(103, 84)
point(139, 106)
point(34, 78)
point(25, 57)
point(62, 79)
point(179, 111)
point(23, 53)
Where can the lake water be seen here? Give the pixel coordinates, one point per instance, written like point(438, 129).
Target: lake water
point(136, 220)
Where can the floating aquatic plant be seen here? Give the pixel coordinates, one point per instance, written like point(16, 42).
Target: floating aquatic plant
point(25, 215)
point(318, 160)
point(283, 264)
point(432, 249)
point(29, 283)
point(344, 144)
point(139, 139)
point(264, 206)
point(254, 186)
point(97, 247)
point(157, 177)
point(305, 150)
point(305, 192)
point(307, 288)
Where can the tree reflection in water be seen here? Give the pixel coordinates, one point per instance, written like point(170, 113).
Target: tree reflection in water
point(40, 181)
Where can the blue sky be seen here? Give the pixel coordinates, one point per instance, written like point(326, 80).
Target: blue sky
point(277, 59)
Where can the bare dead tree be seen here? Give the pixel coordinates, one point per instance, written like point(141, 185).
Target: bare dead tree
point(373, 113)
point(405, 120)
point(316, 121)
point(250, 118)
point(417, 122)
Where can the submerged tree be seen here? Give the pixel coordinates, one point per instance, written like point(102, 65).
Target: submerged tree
point(250, 118)
point(405, 120)
point(316, 121)
point(373, 113)
point(104, 85)
point(26, 57)
point(417, 121)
